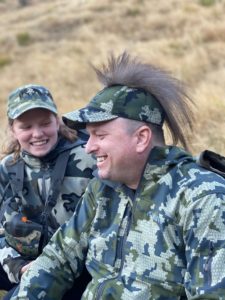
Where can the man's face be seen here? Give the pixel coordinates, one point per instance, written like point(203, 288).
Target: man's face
point(114, 147)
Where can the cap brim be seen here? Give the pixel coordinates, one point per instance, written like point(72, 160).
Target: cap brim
point(25, 109)
point(78, 119)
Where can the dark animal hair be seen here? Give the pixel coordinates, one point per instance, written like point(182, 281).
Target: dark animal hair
point(170, 92)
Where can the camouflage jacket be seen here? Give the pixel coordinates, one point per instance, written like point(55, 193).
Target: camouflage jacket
point(164, 241)
point(37, 178)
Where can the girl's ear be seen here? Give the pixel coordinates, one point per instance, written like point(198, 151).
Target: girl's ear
point(144, 135)
point(11, 131)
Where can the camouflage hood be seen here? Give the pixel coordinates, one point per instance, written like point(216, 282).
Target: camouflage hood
point(50, 157)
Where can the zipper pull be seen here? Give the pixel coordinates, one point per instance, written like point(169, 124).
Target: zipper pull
point(207, 264)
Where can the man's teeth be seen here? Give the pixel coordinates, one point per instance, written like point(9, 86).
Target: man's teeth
point(100, 158)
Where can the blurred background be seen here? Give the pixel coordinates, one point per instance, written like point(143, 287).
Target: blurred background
point(53, 42)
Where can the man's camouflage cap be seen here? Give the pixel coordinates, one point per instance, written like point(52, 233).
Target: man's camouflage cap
point(118, 101)
point(29, 97)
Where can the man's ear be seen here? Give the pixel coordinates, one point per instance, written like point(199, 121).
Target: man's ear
point(144, 136)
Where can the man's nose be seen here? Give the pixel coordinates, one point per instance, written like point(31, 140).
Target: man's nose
point(90, 146)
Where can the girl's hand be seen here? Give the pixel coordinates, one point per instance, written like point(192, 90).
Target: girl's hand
point(26, 267)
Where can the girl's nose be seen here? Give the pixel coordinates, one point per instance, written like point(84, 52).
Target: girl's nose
point(37, 131)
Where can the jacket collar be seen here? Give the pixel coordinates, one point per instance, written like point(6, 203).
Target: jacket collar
point(160, 161)
point(37, 162)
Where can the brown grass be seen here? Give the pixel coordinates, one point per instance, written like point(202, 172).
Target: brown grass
point(52, 42)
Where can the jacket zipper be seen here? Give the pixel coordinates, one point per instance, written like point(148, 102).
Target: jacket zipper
point(129, 217)
point(207, 266)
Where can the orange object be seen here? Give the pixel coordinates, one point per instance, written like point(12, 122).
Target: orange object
point(24, 219)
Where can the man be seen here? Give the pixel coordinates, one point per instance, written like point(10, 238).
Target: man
point(151, 225)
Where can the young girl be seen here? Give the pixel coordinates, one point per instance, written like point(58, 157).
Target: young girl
point(43, 174)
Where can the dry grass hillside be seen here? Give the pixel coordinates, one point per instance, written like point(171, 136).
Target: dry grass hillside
point(52, 42)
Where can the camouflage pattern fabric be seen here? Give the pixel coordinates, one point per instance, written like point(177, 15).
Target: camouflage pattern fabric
point(36, 184)
point(163, 242)
point(29, 97)
point(118, 101)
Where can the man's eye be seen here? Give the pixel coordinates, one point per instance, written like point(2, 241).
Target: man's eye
point(46, 124)
point(101, 136)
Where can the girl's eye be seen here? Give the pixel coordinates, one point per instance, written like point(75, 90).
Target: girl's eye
point(25, 127)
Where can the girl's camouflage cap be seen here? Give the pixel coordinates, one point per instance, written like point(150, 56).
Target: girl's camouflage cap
point(118, 101)
point(29, 97)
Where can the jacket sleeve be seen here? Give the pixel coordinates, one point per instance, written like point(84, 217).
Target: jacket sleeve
point(62, 259)
point(10, 259)
point(204, 232)
point(3, 184)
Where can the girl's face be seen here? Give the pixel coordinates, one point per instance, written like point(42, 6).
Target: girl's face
point(36, 131)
